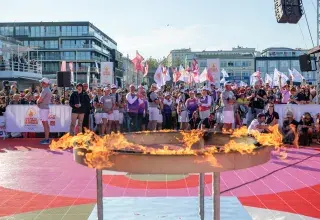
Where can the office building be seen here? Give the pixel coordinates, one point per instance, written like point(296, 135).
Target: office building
point(238, 62)
point(79, 43)
point(283, 59)
point(178, 56)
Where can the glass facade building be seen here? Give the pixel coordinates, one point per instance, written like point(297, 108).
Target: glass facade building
point(282, 59)
point(81, 43)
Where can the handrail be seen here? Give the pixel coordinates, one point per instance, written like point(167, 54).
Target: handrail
point(21, 67)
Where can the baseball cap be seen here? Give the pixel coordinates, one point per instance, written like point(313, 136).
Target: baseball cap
point(113, 86)
point(132, 85)
point(106, 89)
point(45, 80)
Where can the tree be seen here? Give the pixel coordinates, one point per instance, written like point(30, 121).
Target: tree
point(153, 63)
point(177, 61)
point(164, 61)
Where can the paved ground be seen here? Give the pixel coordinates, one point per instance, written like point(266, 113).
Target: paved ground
point(38, 184)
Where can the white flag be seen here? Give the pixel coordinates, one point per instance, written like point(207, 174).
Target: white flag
point(222, 81)
point(203, 75)
point(224, 73)
point(243, 84)
point(296, 76)
point(158, 77)
point(184, 76)
point(268, 79)
point(256, 76)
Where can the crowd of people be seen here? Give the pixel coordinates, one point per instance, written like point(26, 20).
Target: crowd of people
point(112, 109)
point(15, 61)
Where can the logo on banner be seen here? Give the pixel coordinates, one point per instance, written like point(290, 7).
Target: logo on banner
point(30, 119)
point(52, 119)
point(106, 71)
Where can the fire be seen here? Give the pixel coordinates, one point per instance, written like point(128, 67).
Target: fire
point(96, 150)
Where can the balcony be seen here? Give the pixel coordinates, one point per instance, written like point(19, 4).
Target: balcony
point(14, 70)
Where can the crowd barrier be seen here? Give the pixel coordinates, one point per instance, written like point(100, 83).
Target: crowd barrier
point(25, 118)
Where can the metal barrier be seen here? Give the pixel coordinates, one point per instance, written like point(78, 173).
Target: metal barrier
point(21, 67)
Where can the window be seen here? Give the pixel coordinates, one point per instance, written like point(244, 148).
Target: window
point(26, 43)
point(68, 55)
point(50, 67)
point(52, 31)
point(37, 44)
point(230, 63)
point(284, 64)
point(237, 63)
point(246, 63)
point(74, 31)
point(51, 44)
point(272, 64)
point(66, 44)
point(23, 30)
point(52, 56)
point(6, 31)
point(223, 64)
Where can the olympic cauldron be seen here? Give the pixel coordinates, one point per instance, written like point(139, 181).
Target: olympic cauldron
point(199, 159)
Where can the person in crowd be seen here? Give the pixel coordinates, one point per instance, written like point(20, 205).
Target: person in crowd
point(289, 128)
point(285, 94)
point(241, 109)
point(272, 116)
point(258, 124)
point(3, 105)
point(108, 103)
point(43, 103)
point(228, 103)
point(116, 96)
point(77, 101)
point(143, 109)
point(123, 111)
point(208, 123)
point(98, 110)
point(86, 106)
point(195, 121)
point(15, 100)
point(160, 107)
point(296, 97)
point(29, 99)
point(305, 129)
point(182, 112)
point(133, 107)
point(258, 100)
point(191, 104)
point(204, 104)
point(153, 101)
point(167, 110)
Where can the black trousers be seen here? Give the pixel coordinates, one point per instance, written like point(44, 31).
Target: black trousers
point(85, 123)
point(167, 121)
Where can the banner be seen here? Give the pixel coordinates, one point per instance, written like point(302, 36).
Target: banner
point(106, 74)
point(25, 118)
point(213, 69)
point(297, 110)
point(2, 126)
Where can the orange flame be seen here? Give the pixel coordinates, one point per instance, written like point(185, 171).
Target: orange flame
point(100, 148)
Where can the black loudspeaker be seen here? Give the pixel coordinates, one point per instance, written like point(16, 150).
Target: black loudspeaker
point(288, 11)
point(305, 63)
point(63, 79)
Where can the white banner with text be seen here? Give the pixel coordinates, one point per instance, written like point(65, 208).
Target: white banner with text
point(25, 118)
point(106, 75)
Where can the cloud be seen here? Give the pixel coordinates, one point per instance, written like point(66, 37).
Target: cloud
point(158, 42)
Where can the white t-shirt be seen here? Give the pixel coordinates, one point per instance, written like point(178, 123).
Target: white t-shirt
point(253, 126)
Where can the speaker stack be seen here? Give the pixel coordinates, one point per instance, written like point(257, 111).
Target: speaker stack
point(305, 63)
point(64, 79)
point(288, 11)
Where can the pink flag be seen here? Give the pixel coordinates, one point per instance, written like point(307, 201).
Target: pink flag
point(63, 67)
point(137, 62)
point(176, 74)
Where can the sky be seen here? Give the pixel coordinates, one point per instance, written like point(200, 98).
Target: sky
point(156, 27)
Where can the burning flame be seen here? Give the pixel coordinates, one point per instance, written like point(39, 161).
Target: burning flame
point(96, 150)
